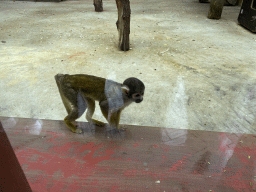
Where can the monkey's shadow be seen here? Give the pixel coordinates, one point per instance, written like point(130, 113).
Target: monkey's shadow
point(104, 132)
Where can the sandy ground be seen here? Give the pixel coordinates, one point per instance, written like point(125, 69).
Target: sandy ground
point(199, 73)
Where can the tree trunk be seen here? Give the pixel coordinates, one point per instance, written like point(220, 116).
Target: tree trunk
point(123, 23)
point(98, 5)
point(216, 7)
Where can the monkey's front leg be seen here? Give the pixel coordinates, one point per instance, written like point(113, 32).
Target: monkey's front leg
point(112, 117)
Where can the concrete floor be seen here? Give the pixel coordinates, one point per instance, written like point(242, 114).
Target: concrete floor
point(199, 73)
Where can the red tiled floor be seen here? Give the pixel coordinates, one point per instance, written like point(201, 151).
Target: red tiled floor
point(137, 159)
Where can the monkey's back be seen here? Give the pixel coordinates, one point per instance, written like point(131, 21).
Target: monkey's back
point(91, 86)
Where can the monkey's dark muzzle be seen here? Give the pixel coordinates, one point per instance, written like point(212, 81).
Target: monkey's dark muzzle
point(138, 100)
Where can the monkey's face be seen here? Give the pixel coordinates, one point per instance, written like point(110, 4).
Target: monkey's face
point(134, 89)
point(137, 97)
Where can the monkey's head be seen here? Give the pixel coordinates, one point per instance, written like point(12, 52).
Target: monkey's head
point(135, 89)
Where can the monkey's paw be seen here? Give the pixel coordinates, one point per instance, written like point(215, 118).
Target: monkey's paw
point(99, 123)
point(78, 131)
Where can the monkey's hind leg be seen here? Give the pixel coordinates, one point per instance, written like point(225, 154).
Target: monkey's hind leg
point(90, 111)
point(68, 120)
point(73, 102)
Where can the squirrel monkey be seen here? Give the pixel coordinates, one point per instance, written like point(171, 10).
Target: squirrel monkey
point(79, 92)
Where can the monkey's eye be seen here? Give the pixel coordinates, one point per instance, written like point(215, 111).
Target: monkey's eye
point(126, 92)
point(137, 95)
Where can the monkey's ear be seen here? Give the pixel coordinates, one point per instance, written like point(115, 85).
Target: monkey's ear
point(125, 89)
